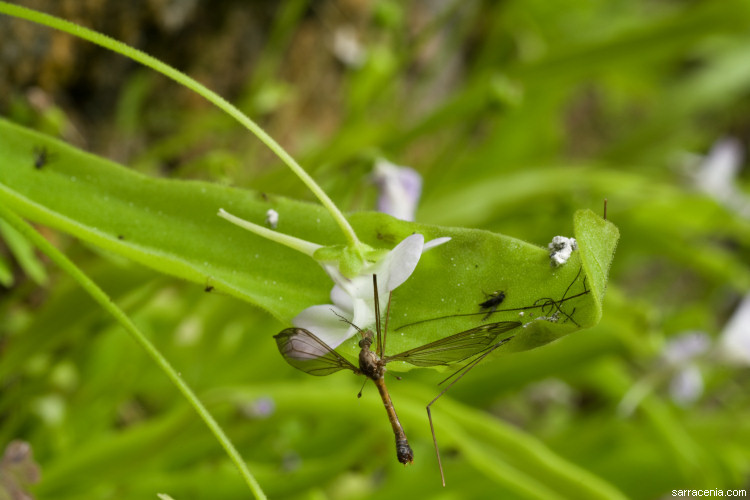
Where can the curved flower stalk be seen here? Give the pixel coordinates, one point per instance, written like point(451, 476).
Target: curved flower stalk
point(351, 270)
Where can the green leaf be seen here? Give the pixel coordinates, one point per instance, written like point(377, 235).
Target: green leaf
point(172, 226)
point(6, 273)
point(23, 251)
point(597, 240)
point(453, 279)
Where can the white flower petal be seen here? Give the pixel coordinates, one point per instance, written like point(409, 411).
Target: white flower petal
point(683, 348)
point(720, 167)
point(321, 320)
point(400, 263)
point(686, 386)
point(734, 342)
point(342, 299)
point(364, 313)
point(435, 243)
point(353, 298)
point(347, 48)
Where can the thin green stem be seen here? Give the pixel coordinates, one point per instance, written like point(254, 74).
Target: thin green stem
point(99, 296)
point(179, 77)
point(302, 246)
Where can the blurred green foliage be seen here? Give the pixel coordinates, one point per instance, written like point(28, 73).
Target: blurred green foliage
point(516, 114)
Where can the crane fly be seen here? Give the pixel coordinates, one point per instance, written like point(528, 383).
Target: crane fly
point(305, 351)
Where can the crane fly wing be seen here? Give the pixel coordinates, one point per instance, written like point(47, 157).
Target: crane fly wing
point(457, 347)
point(304, 351)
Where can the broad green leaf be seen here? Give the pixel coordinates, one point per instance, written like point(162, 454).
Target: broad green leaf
point(172, 226)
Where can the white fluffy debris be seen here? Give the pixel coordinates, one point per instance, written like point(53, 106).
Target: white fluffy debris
point(560, 249)
point(272, 218)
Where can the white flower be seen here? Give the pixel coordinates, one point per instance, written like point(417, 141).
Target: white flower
point(734, 342)
point(353, 298)
point(682, 349)
point(681, 353)
point(717, 175)
point(686, 385)
point(347, 48)
point(678, 362)
point(400, 189)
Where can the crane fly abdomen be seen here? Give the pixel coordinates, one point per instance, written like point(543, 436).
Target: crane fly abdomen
point(403, 451)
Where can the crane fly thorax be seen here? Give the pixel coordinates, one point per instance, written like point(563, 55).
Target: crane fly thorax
point(370, 363)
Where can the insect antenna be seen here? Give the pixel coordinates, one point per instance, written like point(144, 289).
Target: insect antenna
point(463, 371)
point(347, 322)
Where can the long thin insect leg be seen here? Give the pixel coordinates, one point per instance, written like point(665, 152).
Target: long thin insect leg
point(387, 315)
point(556, 304)
point(468, 366)
point(359, 394)
point(547, 302)
point(379, 348)
point(429, 413)
point(571, 284)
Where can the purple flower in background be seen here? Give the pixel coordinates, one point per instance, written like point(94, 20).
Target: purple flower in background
point(400, 189)
point(680, 357)
point(716, 175)
point(681, 354)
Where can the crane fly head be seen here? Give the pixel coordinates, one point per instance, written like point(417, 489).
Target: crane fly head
point(367, 339)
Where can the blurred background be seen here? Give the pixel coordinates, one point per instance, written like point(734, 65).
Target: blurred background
point(516, 114)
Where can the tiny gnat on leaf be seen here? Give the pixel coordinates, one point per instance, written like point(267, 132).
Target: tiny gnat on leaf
point(272, 218)
point(560, 250)
point(42, 156)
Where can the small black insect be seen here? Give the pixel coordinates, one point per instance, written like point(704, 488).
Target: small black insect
point(494, 299)
point(120, 237)
point(41, 157)
point(208, 288)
